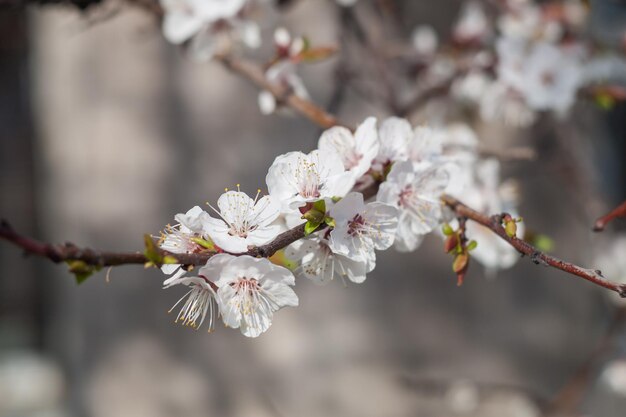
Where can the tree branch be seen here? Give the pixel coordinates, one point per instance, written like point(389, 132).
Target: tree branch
point(255, 74)
point(619, 211)
point(70, 252)
point(494, 223)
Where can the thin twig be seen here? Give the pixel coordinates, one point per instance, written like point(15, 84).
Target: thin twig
point(494, 223)
point(619, 211)
point(304, 107)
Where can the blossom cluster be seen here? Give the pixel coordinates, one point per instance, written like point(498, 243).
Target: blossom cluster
point(358, 193)
point(525, 59)
point(210, 26)
point(533, 58)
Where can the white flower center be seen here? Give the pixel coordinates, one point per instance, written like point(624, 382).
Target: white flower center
point(242, 216)
point(178, 241)
point(414, 203)
point(308, 179)
point(250, 298)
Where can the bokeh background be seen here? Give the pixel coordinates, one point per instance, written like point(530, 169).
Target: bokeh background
point(106, 132)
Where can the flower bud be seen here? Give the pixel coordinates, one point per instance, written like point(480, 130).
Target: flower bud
point(451, 243)
point(461, 261)
point(510, 228)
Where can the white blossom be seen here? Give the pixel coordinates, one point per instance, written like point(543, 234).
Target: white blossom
point(470, 87)
point(185, 18)
point(180, 238)
point(200, 299)
point(426, 145)
point(473, 24)
point(613, 376)
point(415, 190)
point(250, 290)
point(243, 221)
point(211, 25)
point(545, 76)
point(283, 72)
point(502, 103)
point(320, 264)
point(394, 135)
point(296, 178)
point(552, 77)
point(523, 21)
point(358, 150)
point(361, 228)
point(424, 40)
point(460, 145)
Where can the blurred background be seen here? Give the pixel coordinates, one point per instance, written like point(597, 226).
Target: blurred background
point(106, 132)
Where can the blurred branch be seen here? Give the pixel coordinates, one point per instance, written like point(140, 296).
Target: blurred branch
point(425, 96)
point(494, 223)
point(571, 394)
point(521, 153)
point(255, 74)
point(619, 211)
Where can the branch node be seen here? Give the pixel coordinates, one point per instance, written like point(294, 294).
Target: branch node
point(537, 259)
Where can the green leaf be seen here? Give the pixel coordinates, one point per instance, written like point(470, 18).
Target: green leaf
point(207, 244)
point(510, 228)
point(310, 227)
point(460, 263)
point(320, 206)
point(447, 229)
point(605, 101)
point(329, 221)
point(151, 252)
point(82, 270)
point(544, 243)
point(472, 245)
point(317, 213)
